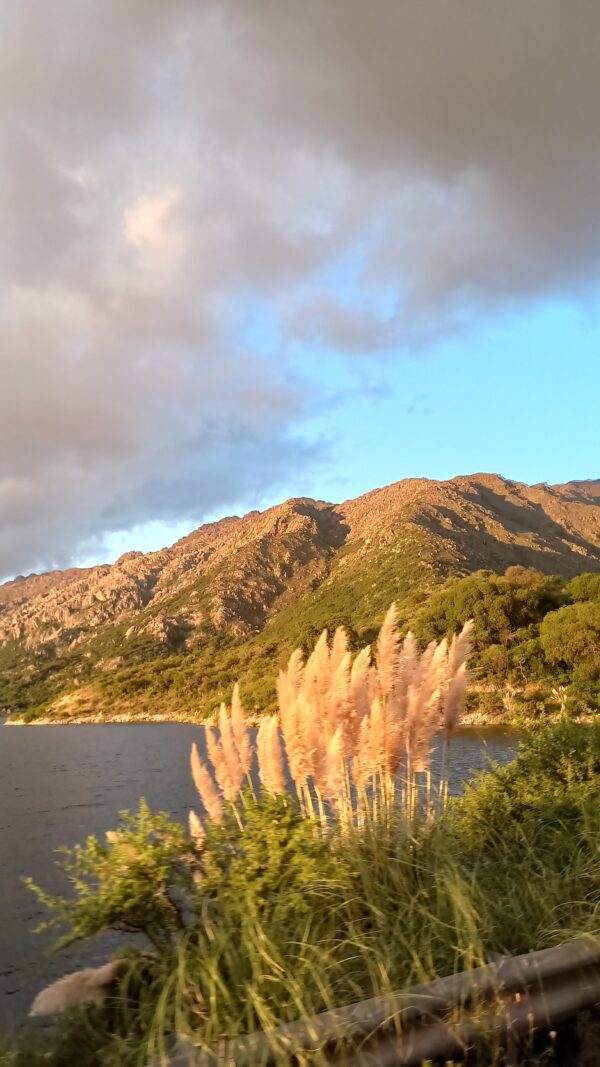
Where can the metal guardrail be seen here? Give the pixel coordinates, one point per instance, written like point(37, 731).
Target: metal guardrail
point(507, 1000)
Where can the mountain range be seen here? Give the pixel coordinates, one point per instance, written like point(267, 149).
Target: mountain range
point(165, 631)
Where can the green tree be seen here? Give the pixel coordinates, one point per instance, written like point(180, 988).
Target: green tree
point(584, 587)
point(570, 637)
point(499, 605)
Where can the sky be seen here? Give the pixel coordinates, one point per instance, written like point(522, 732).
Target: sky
point(253, 251)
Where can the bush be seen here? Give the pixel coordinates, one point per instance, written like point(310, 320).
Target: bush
point(584, 587)
point(571, 637)
point(556, 773)
point(498, 605)
point(140, 880)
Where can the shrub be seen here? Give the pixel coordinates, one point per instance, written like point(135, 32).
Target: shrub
point(557, 770)
point(571, 637)
point(584, 587)
point(137, 881)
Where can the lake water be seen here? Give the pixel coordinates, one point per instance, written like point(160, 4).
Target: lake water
point(59, 784)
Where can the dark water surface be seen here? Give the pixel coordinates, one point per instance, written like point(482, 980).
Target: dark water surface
point(58, 784)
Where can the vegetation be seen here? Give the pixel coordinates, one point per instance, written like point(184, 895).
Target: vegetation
point(537, 639)
point(537, 643)
point(359, 880)
point(151, 679)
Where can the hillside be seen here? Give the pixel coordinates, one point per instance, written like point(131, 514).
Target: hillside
point(168, 631)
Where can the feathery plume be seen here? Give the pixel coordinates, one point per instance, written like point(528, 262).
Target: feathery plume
point(359, 688)
point(361, 764)
point(240, 731)
point(425, 697)
point(231, 756)
point(455, 698)
point(373, 687)
point(339, 648)
point(278, 784)
point(293, 726)
point(317, 673)
point(207, 790)
point(340, 711)
point(291, 730)
point(218, 758)
point(458, 655)
point(397, 703)
point(304, 742)
point(285, 693)
point(335, 769)
point(270, 756)
point(377, 736)
point(461, 647)
point(81, 987)
point(314, 741)
point(197, 831)
point(387, 652)
point(263, 755)
point(295, 671)
point(407, 664)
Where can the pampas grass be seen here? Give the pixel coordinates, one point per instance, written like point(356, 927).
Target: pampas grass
point(197, 831)
point(240, 732)
point(354, 737)
point(387, 652)
point(207, 791)
point(270, 757)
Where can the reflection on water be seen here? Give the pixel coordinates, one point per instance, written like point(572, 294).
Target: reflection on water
point(58, 784)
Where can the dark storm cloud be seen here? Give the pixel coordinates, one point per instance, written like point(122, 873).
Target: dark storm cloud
point(158, 159)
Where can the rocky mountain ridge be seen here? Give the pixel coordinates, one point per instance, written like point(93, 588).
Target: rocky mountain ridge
point(235, 574)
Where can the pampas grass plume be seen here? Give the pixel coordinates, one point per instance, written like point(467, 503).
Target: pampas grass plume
point(361, 763)
point(461, 647)
point(317, 673)
point(387, 652)
point(455, 698)
point(339, 648)
point(232, 781)
point(359, 683)
point(295, 671)
point(270, 756)
point(197, 831)
point(240, 731)
point(335, 770)
point(207, 790)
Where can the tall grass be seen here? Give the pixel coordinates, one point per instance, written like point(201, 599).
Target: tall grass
point(352, 737)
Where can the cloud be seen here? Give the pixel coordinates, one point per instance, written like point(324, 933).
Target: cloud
point(147, 221)
point(157, 160)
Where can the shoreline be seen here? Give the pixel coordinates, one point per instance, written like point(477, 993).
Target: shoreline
point(471, 720)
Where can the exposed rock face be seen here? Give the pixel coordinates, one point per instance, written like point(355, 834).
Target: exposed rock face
point(234, 574)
